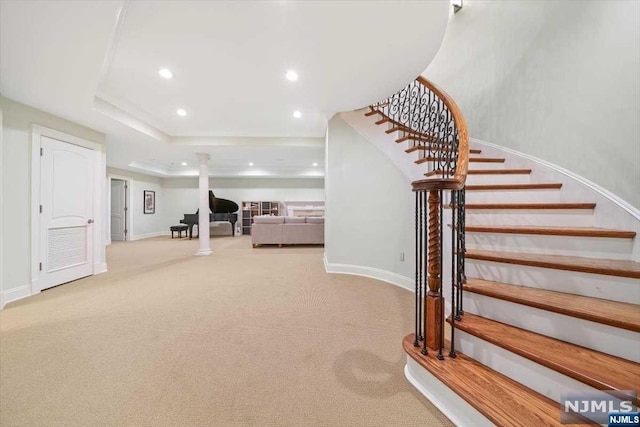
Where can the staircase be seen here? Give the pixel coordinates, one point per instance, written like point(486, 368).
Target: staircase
point(544, 299)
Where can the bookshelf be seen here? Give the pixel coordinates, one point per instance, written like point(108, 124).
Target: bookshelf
point(251, 209)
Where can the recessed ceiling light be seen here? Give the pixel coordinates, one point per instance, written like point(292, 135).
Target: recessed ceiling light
point(181, 112)
point(166, 73)
point(297, 114)
point(291, 75)
point(315, 164)
point(250, 163)
point(184, 163)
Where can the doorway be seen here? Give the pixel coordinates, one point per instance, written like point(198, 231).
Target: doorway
point(118, 210)
point(66, 212)
point(67, 208)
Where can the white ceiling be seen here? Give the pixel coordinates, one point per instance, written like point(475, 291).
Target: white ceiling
point(96, 63)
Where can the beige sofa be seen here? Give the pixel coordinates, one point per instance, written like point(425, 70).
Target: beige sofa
point(287, 230)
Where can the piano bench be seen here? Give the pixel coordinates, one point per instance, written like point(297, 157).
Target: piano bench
point(179, 229)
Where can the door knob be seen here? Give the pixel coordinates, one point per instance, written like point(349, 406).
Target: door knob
point(90, 221)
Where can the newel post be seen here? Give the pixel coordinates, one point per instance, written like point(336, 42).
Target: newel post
point(433, 299)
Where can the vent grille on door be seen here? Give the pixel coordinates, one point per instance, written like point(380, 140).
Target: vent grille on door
point(66, 247)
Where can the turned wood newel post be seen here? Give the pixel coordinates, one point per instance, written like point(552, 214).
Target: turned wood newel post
point(433, 303)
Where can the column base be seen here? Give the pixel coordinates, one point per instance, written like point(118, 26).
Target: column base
point(433, 327)
point(203, 252)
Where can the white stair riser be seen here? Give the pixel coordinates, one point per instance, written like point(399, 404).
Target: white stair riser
point(549, 217)
point(591, 247)
point(413, 156)
point(596, 336)
point(447, 401)
point(531, 374)
point(622, 289)
point(498, 179)
point(487, 165)
point(513, 196)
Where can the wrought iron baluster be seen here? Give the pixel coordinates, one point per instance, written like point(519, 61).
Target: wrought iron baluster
point(462, 250)
point(423, 273)
point(454, 269)
point(417, 244)
point(441, 334)
point(424, 276)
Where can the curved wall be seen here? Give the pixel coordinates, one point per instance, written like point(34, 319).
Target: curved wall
point(368, 201)
point(554, 79)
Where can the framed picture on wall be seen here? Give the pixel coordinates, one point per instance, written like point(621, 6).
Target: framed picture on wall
point(149, 202)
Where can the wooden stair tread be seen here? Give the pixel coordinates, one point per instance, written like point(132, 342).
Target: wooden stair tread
point(499, 398)
point(551, 231)
point(487, 159)
point(529, 206)
point(371, 113)
point(608, 267)
point(415, 137)
point(612, 313)
point(383, 120)
point(499, 172)
point(415, 148)
point(397, 128)
point(423, 147)
point(471, 159)
point(436, 172)
point(599, 370)
point(492, 187)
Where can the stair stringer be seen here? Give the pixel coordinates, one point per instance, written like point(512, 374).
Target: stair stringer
point(385, 142)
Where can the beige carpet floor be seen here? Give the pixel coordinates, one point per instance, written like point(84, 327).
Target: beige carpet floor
point(244, 337)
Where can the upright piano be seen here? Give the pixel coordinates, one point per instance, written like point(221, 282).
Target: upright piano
point(222, 210)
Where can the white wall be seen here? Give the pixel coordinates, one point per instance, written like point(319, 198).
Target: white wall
point(16, 186)
point(369, 209)
point(554, 79)
point(144, 225)
point(182, 193)
point(1, 204)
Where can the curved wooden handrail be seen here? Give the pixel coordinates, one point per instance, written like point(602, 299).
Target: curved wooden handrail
point(462, 166)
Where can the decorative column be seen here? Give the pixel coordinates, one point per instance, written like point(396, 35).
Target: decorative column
point(203, 206)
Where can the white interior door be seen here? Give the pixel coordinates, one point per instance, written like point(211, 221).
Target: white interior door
point(118, 210)
point(66, 218)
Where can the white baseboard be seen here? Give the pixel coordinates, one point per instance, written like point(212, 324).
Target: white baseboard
point(150, 235)
point(371, 272)
point(448, 402)
point(100, 268)
point(14, 294)
point(19, 292)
